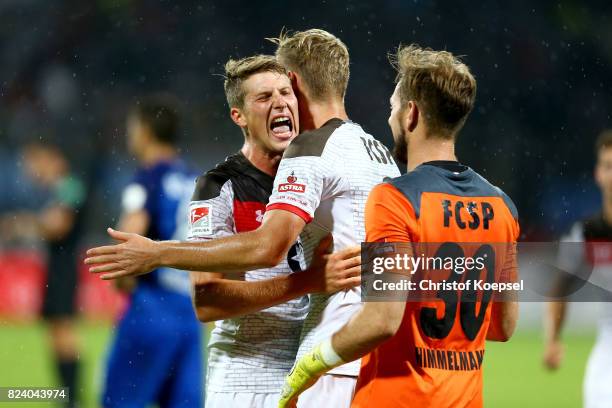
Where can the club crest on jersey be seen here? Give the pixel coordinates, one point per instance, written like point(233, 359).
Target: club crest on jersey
point(200, 219)
point(292, 185)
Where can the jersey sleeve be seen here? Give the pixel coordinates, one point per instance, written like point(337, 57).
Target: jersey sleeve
point(300, 185)
point(211, 209)
point(389, 216)
point(137, 194)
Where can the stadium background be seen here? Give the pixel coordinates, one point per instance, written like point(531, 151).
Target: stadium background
point(71, 69)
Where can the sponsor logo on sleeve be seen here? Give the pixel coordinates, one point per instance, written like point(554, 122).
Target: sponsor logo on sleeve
point(292, 185)
point(200, 219)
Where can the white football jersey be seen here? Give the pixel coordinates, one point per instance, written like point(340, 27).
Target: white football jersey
point(325, 177)
point(251, 353)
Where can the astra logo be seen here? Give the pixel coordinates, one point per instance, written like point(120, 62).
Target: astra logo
point(291, 185)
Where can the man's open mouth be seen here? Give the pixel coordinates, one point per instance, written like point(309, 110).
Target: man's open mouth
point(281, 126)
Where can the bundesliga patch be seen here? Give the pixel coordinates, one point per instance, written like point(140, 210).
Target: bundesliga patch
point(292, 185)
point(200, 219)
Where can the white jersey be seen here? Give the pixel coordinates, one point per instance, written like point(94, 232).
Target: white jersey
point(595, 252)
point(591, 254)
point(251, 353)
point(325, 177)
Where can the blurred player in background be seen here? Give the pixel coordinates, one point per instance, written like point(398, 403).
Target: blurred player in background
point(321, 186)
point(59, 225)
point(435, 93)
point(156, 356)
point(597, 390)
point(252, 350)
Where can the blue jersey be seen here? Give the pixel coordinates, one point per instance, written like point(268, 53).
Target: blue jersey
point(163, 191)
point(156, 356)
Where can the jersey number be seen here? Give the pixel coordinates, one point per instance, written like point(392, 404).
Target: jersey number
point(471, 322)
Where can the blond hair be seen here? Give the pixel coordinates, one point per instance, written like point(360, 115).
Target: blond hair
point(238, 71)
point(441, 85)
point(320, 58)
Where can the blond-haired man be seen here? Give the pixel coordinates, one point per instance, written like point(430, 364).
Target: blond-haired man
point(320, 187)
point(426, 353)
point(258, 318)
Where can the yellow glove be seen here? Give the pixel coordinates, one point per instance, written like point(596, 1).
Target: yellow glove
point(306, 371)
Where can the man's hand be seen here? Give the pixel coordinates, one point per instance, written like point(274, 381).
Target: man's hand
point(303, 375)
point(330, 273)
point(553, 355)
point(135, 255)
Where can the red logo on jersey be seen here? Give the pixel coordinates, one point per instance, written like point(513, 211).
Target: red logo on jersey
point(198, 213)
point(291, 185)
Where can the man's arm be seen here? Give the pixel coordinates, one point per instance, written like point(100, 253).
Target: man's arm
point(574, 268)
point(504, 313)
point(216, 298)
point(263, 248)
point(52, 224)
point(504, 316)
point(375, 323)
point(554, 318)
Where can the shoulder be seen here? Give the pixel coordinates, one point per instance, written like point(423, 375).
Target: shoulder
point(312, 142)
point(497, 191)
point(596, 228)
point(210, 184)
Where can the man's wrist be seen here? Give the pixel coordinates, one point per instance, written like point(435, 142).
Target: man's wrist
point(301, 283)
point(163, 250)
point(329, 356)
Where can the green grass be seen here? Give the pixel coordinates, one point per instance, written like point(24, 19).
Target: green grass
point(514, 376)
point(26, 359)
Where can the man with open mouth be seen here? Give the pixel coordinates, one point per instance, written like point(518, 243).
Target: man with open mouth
point(258, 317)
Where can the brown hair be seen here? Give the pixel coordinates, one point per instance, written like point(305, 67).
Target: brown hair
point(238, 71)
point(440, 83)
point(319, 57)
point(604, 141)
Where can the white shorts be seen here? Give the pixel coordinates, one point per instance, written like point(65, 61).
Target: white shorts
point(598, 376)
point(330, 390)
point(241, 400)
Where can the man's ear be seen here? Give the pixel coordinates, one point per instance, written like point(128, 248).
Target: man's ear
point(296, 83)
point(238, 117)
point(597, 176)
point(411, 120)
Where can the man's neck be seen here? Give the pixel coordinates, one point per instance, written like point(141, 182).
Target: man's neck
point(267, 162)
point(430, 149)
point(321, 112)
point(158, 153)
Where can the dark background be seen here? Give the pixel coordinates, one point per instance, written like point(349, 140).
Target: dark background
point(71, 69)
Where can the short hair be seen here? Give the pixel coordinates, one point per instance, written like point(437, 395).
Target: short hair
point(321, 59)
point(442, 85)
point(604, 141)
point(238, 71)
point(160, 114)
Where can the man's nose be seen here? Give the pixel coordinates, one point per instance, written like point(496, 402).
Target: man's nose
point(278, 102)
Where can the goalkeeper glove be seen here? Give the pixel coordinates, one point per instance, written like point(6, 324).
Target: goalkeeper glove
point(307, 370)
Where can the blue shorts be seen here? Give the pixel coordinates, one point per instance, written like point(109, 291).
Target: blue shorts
point(156, 355)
